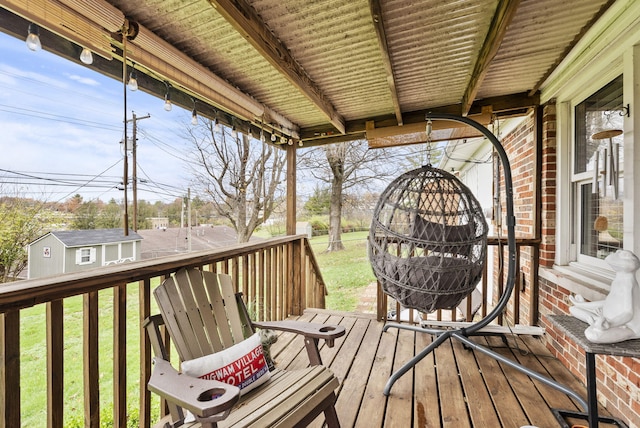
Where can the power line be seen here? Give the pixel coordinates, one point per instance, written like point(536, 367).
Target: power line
point(55, 117)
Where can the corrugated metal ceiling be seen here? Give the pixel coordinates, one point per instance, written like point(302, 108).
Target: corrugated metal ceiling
point(325, 67)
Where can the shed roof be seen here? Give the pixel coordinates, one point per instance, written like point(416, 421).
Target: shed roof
point(324, 70)
point(81, 238)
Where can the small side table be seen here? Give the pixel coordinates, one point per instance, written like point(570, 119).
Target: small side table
point(574, 329)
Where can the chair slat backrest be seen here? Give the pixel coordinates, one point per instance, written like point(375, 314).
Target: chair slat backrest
point(221, 286)
point(203, 320)
point(200, 312)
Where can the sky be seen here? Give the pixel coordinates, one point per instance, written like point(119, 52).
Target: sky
point(61, 124)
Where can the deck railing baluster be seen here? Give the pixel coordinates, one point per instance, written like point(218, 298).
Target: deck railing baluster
point(90, 360)
point(55, 364)
point(10, 368)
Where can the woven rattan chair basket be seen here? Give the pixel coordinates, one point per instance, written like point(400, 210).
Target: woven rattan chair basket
point(428, 239)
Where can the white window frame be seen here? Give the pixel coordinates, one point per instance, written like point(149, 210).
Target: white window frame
point(577, 181)
point(568, 260)
point(82, 253)
point(567, 252)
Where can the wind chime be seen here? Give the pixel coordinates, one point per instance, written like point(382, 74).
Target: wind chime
point(606, 170)
point(610, 163)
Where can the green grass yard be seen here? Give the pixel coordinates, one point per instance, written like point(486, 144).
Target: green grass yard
point(346, 273)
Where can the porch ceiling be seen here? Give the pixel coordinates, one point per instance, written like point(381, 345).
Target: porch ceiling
point(320, 70)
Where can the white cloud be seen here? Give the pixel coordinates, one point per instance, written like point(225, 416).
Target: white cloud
point(83, 80)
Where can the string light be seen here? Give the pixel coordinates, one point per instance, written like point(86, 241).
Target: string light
point(167, 97)
point(216, 125)
point(133, 79)
point(273, 137)
point(262, 136)
point(194, 114)
point(234, 132)
point(86, 56)
point(33, 39)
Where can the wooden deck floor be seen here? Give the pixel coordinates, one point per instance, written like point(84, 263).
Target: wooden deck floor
point(452, 387)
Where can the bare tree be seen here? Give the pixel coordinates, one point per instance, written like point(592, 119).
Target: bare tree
point(349, 165)
point(241, 175)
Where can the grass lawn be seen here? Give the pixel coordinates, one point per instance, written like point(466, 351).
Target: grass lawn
point(346, 274)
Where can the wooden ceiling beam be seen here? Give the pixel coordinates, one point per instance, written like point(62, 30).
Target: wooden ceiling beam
point(243, 17)
point(503, 106)
point(505, 12)
point(416, 133)
point(378, 23)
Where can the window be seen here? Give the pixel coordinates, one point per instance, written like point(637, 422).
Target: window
point(85, 256)
point(598, 173)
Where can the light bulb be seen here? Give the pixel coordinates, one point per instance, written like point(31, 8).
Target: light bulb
point(167, 97)
point(262, 137)
point(300, 143)
point(194, 117)
point(216, 126)
point(133, 81)
point(234, 132)
point(283, 140)
point(33, 39)
point(86, 56)
point(273, 137)
point(290, 141)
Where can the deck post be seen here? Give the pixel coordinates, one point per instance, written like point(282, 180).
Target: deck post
point(291, 190)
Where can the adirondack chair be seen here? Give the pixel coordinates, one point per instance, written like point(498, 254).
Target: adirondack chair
point(203, 315)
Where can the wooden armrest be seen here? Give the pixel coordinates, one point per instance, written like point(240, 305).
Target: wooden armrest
point(328, 332)
point(203, 398)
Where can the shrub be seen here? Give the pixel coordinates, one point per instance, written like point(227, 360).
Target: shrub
point(318, 227)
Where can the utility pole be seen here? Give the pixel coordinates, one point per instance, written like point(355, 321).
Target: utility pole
point(134, 176)
point(189, 219)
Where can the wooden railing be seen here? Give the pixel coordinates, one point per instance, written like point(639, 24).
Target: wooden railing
point(278, 277)
point(521, 296)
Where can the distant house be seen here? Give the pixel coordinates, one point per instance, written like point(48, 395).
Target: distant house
point(159, 222)
point(75, 250)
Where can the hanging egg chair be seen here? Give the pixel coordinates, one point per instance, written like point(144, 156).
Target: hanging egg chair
point(428, 240)
point(427, 248)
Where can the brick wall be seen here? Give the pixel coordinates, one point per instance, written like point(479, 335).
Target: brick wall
point(520, 146)
point(548, 182)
